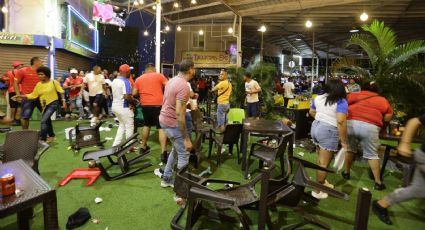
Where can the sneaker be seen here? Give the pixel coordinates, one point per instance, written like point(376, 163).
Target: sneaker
point(50, 140)
point(320, 195)
point(167, 182)
point(164, 157)
point(329, 185)
point(345, 175)
point(158, 172)
point(144, 151)
point(381, 212)
point(380, 186)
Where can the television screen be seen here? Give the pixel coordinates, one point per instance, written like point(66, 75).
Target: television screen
point(108, 14)
point(81, 32)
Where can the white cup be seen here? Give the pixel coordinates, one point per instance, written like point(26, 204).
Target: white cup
point(193, 104)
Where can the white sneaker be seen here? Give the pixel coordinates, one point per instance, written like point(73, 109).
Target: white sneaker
point(167, 183)
point(329, 185)
point(320, 195)
point(157, 172)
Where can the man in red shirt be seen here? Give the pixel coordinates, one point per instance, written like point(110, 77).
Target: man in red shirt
point(75, 83)
point(202, 87)
point(150, 87)
point(24, 83)
point(366, 113)
point(15, 107)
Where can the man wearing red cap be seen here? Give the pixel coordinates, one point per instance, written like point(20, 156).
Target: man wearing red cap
point(122, 104)
point(24, 83)
point(8, 78)
point(75, 83)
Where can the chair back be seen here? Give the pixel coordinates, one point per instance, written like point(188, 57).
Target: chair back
point(186, 180)
point(21, 144)
point(236, 116)
point(195, 154)
point(232, 133)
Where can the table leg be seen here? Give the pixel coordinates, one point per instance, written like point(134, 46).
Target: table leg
point(50, 211)
point(384, 161)
point(23, 219)
point(244, 146)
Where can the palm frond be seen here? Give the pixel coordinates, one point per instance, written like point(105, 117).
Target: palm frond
point(368, 43)
point(351, 64)
point(405, 51)
point(384, 35)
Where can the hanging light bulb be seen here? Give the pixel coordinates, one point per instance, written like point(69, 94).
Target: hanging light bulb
point(230, 30)
point(4, 10)
point(136, 3)
point(176, 5)
point(154, 7)
point(141, 2)
point(120, 29)
point(262, 29)
point(167, 28)
point(308, 24)
point(201, 32)
point(179, 28)
point(193, 2)
point(364, 16)
point(146, 33)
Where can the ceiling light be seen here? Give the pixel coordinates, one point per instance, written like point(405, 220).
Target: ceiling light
point(4, 10)
point(230, 30)
point(136, 3)
point(201, 32)
point(154, 7)
point(120, 29)
point(364, 16)
point(176, 5)
point(141, 2)
point(354, 30)
point(146, 33)
point(298, 39)
point(167, 28)
point(163, 42)
point(262, 29)
point(308, 24)
point(193, 2)
point(179, 28)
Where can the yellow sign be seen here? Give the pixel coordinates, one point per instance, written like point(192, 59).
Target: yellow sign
point(207, 57)
point(16, 39)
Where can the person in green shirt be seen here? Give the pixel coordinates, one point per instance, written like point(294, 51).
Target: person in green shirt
point(48, 92)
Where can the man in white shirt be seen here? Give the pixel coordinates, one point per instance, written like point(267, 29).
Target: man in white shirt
point(252, 88)
point(122, 103)
point(289, 88)
point(95, 82)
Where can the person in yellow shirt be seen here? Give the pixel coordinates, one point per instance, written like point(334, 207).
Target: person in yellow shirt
point(224, 89)
point(47, 92)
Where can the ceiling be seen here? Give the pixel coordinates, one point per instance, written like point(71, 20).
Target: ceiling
point(285, 20)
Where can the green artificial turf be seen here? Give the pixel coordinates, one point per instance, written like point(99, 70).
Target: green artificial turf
point(138, 202)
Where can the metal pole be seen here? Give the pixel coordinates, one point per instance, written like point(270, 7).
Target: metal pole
point(239, 44)
point(158, 37)
point(312, 66)
point(327, 59)
point(261, 51)
point(6, 16)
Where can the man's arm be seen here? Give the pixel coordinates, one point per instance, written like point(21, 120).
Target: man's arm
point(16, 81)
point(105, 89)
point(135, 91)
point(216, 87)
point(341, 120)
point(181, 121)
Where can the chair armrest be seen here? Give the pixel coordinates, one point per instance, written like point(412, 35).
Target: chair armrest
point(211, 196)
point(43, 148)
point(308, 164)
point(220, 181)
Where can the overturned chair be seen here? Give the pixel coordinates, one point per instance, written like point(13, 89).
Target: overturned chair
point(85, 136)
point(119, 152)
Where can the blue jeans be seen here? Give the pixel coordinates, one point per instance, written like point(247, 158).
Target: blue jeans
point(46, 123)
point(76, 102)
point(178, 151)
point(222, 110)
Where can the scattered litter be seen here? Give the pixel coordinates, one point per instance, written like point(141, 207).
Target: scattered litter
point(109, 138)
point(301, 145)
point(249, 176)
point(160, 163)
point(98, 200)
point(19, 192)
point(95, 221)
point(69, 147)
point(301, 154)
point(295, 145)
point(106, 228)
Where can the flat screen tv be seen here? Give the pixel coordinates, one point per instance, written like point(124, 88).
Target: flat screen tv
point(81, 32)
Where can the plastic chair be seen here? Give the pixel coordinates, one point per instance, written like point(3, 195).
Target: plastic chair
point(30, 151)
point(236, 116)
point(230, 136)
point(86, 136)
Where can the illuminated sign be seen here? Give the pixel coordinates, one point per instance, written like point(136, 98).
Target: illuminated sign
point(16, 39)
point(81, 32)
point(207, 57)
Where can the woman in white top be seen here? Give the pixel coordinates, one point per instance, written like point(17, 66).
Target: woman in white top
point(329, 127)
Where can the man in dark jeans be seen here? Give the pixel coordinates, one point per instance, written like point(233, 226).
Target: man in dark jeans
point(416, 189)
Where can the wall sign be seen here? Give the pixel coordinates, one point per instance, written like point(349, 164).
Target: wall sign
point(16, 39)
point(207, 57)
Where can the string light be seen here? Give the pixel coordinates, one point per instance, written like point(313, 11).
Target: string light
point(308, 24)
point(201, 32)
point(176, 5)
point(230, 30)
point(179, 28)
point(120, 29)
point(193, 2)
point(262, 29)
point(154, 7)
point(141, 2)
point(4, 10)
point(364, 16)
point(136, 3)
point(146, 33)
point(167, 28)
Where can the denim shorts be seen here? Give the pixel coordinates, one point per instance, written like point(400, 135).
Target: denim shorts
point(365, 134)
point(222, 110)
point(253, 109)
point(325, 135)
point(28, 107)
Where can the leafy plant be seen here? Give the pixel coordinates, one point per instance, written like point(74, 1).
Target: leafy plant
point(238, 91)
point(264, 73)
point(396, 68)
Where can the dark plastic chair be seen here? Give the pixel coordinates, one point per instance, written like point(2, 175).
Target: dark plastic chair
point(267, 153)
point(119, 152)
point(202, 124)
point(195, 153)
point(405, 164)
point(25, 145)
point(86, 136)
point(230, 136)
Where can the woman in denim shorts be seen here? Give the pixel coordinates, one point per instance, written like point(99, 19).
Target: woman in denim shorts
point(329, 127)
